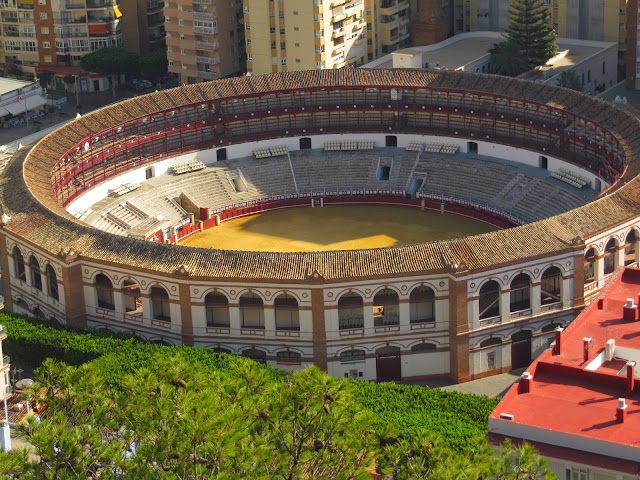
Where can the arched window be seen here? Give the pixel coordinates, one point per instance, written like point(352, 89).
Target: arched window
point(52, 282)
point(520, 293)
point(355, 355)
point(422, 305)
point(251, 311)
point(18, 264)
point(386, 308)
point(630, 246)
point(350, 312)
point(160, 304)
point(216, 307)
point(132, 298)
point(489, 300)
point(551, 286)
point(550, 327)
point(288, 357)
point(36, 274)
point(286, 311)
point(589, 266)
point(424, 347)
point(610, 257)
point(255, 355)
point(39, 313)
point(104, 292)
point(489, 342)
point(20, 303)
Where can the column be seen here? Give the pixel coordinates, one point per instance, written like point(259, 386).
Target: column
point(565, 292)
point(458, 331)
point(269, 321)
point(234, 318)
point(7, 268)
point(118, 303)
point(505, 304)
point(536, 291)
point(578, 281)
point(368, 317)
point(598, 269)
point(147, 309)
point(74, 303)
point(474, 313)
point(404, 309)
point(186, 319)
point(619, 260)
point(319, 329)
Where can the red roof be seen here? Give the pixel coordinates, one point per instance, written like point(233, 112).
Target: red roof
point(572, 403)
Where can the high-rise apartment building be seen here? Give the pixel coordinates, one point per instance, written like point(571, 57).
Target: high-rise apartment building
point(205, 38)
point(143, 25)
point(633, 52)
point(55, 33)
point(289, 35)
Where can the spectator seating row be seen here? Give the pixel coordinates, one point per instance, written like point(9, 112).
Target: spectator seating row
point(571, 178)
point(415, 146)
point(335, 145)
point(276, 151)
point(188, 166)
point(124, 188)
point(441, 148)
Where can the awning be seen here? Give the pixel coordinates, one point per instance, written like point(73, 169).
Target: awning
point(31, 103)
point(3, 112)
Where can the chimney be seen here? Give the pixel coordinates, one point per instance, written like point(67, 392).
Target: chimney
point(629, 311)
point(526, 383)
point(631, 379)
point(609, 349)
point(557, 349)
point(585, 348)
point(621, 410)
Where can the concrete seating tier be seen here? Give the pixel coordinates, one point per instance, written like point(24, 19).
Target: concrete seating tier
point(415, 146)
point(573, 179)
point(441, 148)
point(188, 166)
point(124, 188)
point(266, 152)
point(335, 145)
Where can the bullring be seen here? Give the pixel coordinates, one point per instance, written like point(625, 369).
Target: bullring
point(462, 308)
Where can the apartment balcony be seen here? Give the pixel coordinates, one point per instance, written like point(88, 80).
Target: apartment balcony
point(209, 60)
point(154, 7)
point(338, 32)
point(101, 4)
point(207, 30)
point(208, 75)
point(393, 9)
point(156, 22)
point(205, 16)
point(205, 2)
point(208, 45)
point(76, 6)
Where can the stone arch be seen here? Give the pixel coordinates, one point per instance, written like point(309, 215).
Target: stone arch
point(104, 291)
point(493, 341)
point(609, 255)
point(287, 312)
point(53, 289)
point(424, 347)
point(255, 354)
point(352, 354)
point(36, 273)
point(350, 311)
point(489, 300)
point(216, 305)
point(589, 265)
point(520, 294)
point(422, 302)
point(160, 305)
point(386, 307)
point(551, 286)
point(251, 310)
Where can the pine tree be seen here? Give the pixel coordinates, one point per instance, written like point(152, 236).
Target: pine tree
point(529, 29)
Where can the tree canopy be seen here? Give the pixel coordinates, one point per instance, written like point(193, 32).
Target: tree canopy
point(110, 61)
point(154, 64)
point(570, 79)
point(530, 30)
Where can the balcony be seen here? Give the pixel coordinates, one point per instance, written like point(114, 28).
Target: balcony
point(101, 4)
point(211, 45)
point(205, 2)
point(208, 60)
point(208, 75)
point(6, 360)
point(205, 16)
point(76, 6)
point(207, 30)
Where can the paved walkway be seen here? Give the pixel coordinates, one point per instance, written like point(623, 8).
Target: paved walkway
point(494, 386)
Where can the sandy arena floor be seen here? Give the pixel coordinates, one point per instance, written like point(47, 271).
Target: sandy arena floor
point(335, 228)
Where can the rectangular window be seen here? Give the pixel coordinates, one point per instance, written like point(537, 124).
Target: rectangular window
point(44, 30)
point(46, 44)
point(43, 15)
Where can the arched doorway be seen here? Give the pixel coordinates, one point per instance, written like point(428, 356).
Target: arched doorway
point(386, 308)
point(388, 364)
point(520, 349)
point(256, 355)
point(589, 266)
point(630, 247)
point(610, 257)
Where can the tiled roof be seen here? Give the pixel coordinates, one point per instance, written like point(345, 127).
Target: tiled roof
point(43, 221)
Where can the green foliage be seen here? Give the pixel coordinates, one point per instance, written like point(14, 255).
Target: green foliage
point(570, 79)
point(69, 79)
point(154, 64)
point(111, 61)
point(507, 59)
point(529, 29)
point(45, 78)
point(404, 410)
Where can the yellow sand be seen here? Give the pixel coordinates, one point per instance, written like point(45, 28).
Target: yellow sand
point(349, 227)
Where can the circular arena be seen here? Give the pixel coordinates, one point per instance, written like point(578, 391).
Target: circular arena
point(95, 218)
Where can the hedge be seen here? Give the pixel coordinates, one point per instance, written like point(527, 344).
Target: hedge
point(460, 419)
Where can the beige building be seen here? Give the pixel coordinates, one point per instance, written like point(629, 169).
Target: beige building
point(292, 35)
point(205, 39)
